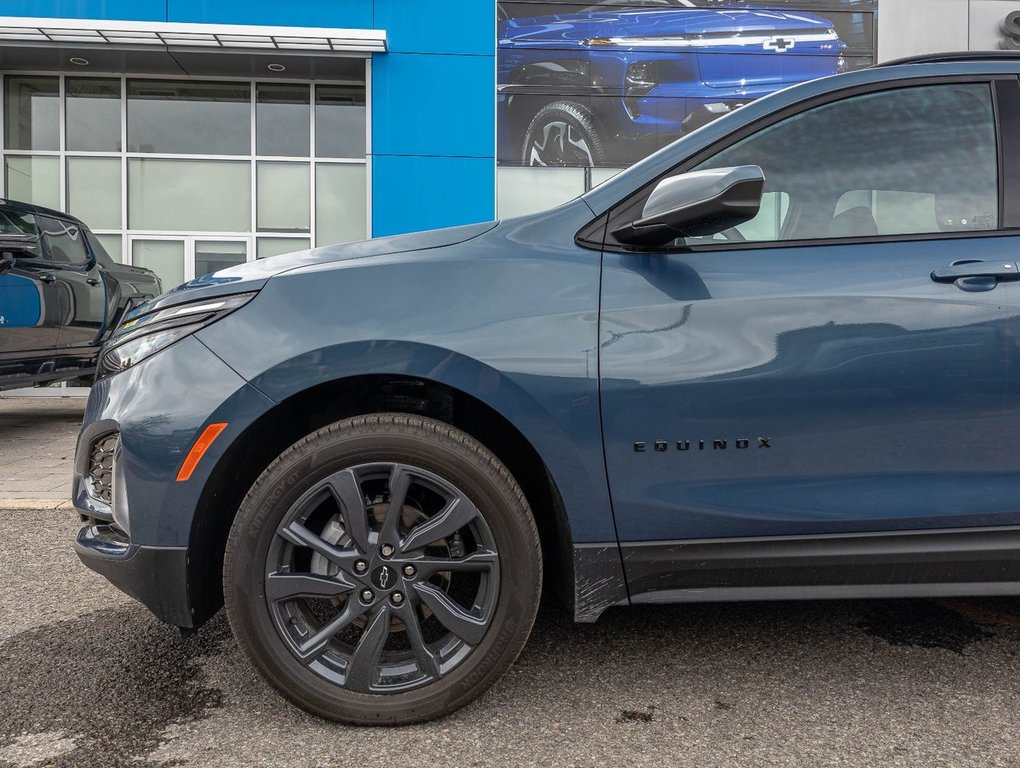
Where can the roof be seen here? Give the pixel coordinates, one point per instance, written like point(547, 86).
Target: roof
point(954, 56)
point(17, 205)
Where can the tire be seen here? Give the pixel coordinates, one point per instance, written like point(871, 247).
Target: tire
point(334, 639)
point(564, 133)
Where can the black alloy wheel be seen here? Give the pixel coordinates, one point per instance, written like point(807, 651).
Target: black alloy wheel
point(385, 569)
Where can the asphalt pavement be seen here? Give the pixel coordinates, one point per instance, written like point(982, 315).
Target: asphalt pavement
point(88, 678)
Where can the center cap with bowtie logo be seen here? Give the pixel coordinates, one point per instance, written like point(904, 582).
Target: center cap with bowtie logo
point(384, 577)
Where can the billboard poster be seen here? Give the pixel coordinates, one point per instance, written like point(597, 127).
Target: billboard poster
point(603, 84)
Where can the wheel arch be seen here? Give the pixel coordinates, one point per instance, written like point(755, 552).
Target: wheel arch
point(326, 402)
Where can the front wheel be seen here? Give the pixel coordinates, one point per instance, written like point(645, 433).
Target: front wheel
point(386, 569)
point(564, 133)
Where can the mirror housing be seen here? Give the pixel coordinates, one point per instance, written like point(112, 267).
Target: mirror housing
point(696, 204)
point(19, 244)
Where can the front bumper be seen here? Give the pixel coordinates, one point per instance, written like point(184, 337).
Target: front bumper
point(157, 577)
point(141, 538)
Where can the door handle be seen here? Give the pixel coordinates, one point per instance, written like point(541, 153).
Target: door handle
point(987, 270)
point(92, 280)
point(48, 278)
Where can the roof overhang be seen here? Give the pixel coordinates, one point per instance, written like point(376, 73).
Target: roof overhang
point(181, 48)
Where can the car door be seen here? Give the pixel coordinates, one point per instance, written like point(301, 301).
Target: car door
point(83, 292)
point(823, 369)
point(30, 306)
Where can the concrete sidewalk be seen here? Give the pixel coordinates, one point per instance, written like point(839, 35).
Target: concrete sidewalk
point(37, 437)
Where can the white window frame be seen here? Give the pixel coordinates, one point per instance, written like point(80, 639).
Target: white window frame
point(253, 158)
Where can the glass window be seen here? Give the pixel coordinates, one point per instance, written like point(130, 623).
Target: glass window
point(283, 197)
point(189, 195)
point(906, 161)
point(93, 190)
point(274, 246)
point(340, 121)
point(213, 255)
point(598, 175)
point(164, 257)
point(188, 117)
point(340, 208)
point(282, 116)
point(33, 179)
point(63, 241)
point(520, 191)
point(92, 113)
point(19, 223)
point(32, 113)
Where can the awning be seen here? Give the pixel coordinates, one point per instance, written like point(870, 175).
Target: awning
point(181, 48)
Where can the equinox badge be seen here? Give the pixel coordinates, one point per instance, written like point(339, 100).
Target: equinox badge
point(740, 444)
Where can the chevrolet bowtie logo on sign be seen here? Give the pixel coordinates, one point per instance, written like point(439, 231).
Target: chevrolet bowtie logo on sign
point(779, 44)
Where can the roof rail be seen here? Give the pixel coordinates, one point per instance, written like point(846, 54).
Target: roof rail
point(935, 58)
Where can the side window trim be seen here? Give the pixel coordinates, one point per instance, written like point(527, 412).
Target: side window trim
point(1007, 112)
point(626, 207)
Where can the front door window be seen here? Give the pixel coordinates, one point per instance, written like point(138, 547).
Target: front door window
point(919, 160)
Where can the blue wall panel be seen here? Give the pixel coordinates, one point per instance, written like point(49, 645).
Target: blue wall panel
point(451, 26)
point(305, 13)
point(134, 10)
point(414, 193)
point(433, 105)
point(433, 130)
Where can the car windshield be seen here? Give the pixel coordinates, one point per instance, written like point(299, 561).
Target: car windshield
point(97, 248)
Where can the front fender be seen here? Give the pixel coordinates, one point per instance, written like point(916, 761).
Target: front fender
point(558, 416)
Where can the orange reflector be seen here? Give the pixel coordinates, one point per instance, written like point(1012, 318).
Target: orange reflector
point(198, 450)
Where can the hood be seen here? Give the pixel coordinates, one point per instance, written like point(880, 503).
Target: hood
point(252, 275)
point(134, 281)
point(646, 22)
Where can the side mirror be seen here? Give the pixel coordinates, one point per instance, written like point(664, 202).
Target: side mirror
point(696, 204)
point(13, 245)
point(6, 262)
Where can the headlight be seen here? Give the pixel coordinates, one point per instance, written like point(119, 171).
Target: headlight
point(146, 334)
point(642, 77)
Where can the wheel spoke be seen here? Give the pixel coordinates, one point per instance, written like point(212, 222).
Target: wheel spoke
point(482, 560)
point(454, 516)
point(310, 650)
point(347, 491)
point(287, 586)
point(296, 533)
point(364, 662)
point(400, 483)
point(466, 626)
point(428, 662)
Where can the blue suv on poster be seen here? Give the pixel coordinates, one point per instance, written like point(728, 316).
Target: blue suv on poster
point(607, 85)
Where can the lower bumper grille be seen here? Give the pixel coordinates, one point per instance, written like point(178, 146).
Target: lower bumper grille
point(100, 473)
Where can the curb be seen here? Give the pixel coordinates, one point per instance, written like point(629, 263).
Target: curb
point(17, 505)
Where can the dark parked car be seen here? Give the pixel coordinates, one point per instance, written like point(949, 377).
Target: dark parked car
point(608, 84)
point(779, 359)
point(60, 295)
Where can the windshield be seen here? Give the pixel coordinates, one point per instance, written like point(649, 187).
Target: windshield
point(100, 252)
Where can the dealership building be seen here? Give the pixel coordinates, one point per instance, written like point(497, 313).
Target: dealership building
point(191, 134)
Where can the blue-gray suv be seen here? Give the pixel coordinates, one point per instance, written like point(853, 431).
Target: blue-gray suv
point(778, 359)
